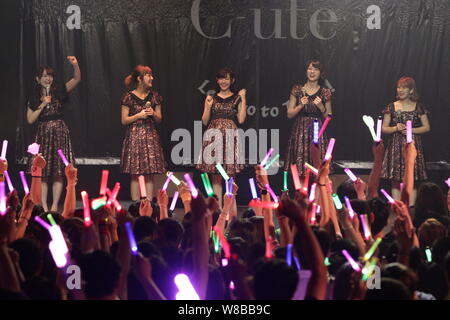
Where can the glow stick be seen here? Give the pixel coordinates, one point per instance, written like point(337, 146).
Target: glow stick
point(372, 249)
point(401, 187)
point(222, 172)
point(295, 177)
point(306, 181)
point(297, 263)
point(285, 178)
point(337, 201)
point(24, 182)
point(312, 193)
point(324, 126)
point(113, 200)
point(272, 194)
point(98, 203)
point(368, 120)
point(207, 184)
point(429, 255)
point(350, 174)
point(173, 178)
point(33, 148)
point(86, 209)
point(263, 204)
point(8, 180)
point(271, 162)
point(311, 168)
point(174, 201)
point(223, 242)
point(408, 131)
point(366, 229)
point(115, 191)
point(388, 197)
point(352, 262)
point(42, 222)
point(268, 154)
point(316, 132)
point(253, 188)
point(191, 185)
point(63, 157)
point(185, 289)
point(4, 148)
point(379, 123)
point(142, 189)
point(52, 221)
point(269, 253)
point(289, 254)
point(2, 199)
point(326, 261)
point(131, 239)
point(330, 149)
point(351, 212)
point(58, 246)
point(215, 239)
point(314, 208)
point(59, 257)
point(224, 262)
point(448, 182)
point(166, 183)
point(104, 182)
point(368, 268)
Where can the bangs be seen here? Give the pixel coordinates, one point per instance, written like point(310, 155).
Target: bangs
point(406, 82)
point(224, 73)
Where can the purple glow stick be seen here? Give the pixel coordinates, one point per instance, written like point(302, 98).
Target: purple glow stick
point(166, 183)
point(174, 201)
point(253, 188)
point(131, 239)
point(330, 148)
point(191, 185)
point(388, 197)
point(268, 154)
point(42, 222)
point(24, 182)
point(349, 207)
point(316, 132)
point(2, 199)
point(8, 180)
point(186, 290)
point(230, 187)
point(401, 187)
point(272, 194)
point(379, 123)
point(350, 174)
point(352, 262)
point(365, 226)
point(408, 131)
point(63, 157)
point(4, 148)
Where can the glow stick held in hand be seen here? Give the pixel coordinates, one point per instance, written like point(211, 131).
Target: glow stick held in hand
point(337, 201)
point(186, 290)
point(295, 177)
point(311, 168)
point(408, 131)
point(349, 207)
point(372, 249)
point(131, 239)
point(316, 132)
point(115, 191)
point(174, 201)
point(330, 149)
point(312, 193)
point(272, 194)
point(253, 188)
point(388, 197)
point(365, 227)
point(352, 262)
point(350, 174)
point(63, 157)
point(314, 208)
point(429, 254)
point(324, 126)
point(166, 183)
point(4, 148)
point(379, 123)
point(191, 185)
point(285, 180)
point(52, 221)
point(24, 182)
point(271, 162)
point(98, 203)
point(306, 181)
point(42, 222)
point(104, 182)
point(86, 209)
point(2, 199)
point(173, 178)
point(142, 188)
point(207, 184)
point(222, 172)
point(289, 254)
point(8, 181)
point(266, 158)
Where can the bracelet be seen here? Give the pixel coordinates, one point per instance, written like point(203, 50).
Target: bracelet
point(322, 185)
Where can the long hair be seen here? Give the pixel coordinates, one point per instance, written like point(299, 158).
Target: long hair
point(131, 81)
point(409, 83)
point(318, 65)
point(37, 91)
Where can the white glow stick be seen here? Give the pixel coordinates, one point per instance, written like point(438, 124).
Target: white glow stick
point(388, 197)
point(310, 167)
point(8, 180)
point(174, 201)
point(268, 154)
point(316, 132)
point(4, 148)
point(368, 120)
point(185, 289)
point(408, 131)
point(350, 174)
point(253, 188)
point(365, 227)
point(142, 187)
point(330, 149)
point(173, 178)
point(379, 123)
point(222, 172)
point(312, 193)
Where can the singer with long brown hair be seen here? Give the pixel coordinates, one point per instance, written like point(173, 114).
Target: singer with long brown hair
point(45, 105)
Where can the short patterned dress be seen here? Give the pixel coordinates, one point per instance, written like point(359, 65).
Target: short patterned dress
point(141, 150)
point(301, 135)
point(227, 153)
point(52, 133)
point(394, 163)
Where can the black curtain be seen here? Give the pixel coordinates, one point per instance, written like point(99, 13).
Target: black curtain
point(362, 65)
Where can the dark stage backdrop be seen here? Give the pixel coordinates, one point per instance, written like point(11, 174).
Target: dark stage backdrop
point(176, 38)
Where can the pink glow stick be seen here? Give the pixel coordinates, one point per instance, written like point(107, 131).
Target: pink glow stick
point(408, 131)
point(115, 191)
point(401, 187)
point(324, 126)
point(306, 181)
point(24, 182)
point(86, 209)
point(4, 148)
point(379, 123)
point(142, 187)
point(310, 167)
point(312, 193)
point(104, 182)
point(174, 201)
point(268, 154)
point(352, 262)
point(330, 149)
point(166, 183)
point(366, 229)
point(350, 174)
point(186, 290)
point(63, 157)
point(2, 199)
point(388, 197)
point(42, 222)
point(295, 177)
point(191, 185)
point(263, 204)
point(349, 207)
point(113, 200)
point(8, 180)
point(272, 194)
point(314, 208)
point(269, 253)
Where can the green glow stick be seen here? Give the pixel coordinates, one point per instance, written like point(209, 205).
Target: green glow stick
point(268, 165)
point(327, 261)
point(207, 184)
point(372, 249)
point(429, 255)
point(368, 268)
point(222, 172)
point(285, 178)
point(337, 201)
point(50, 218)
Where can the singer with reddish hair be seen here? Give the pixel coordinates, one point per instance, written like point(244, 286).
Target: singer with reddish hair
point(142, 153)
point(45, 105)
